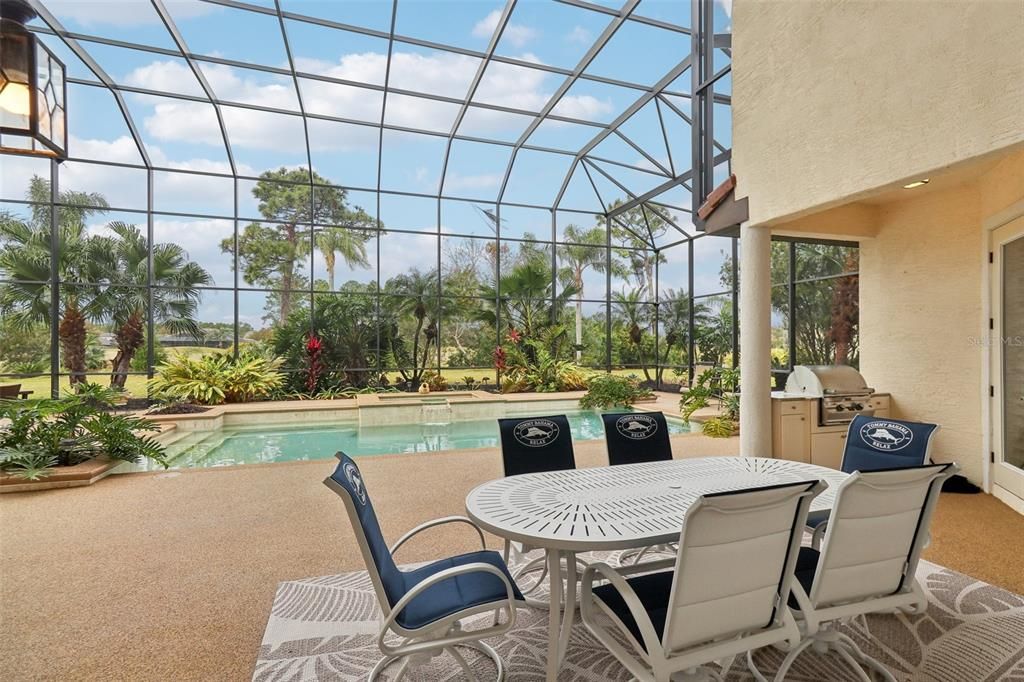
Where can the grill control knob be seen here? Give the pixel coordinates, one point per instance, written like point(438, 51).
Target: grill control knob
point(839, 408)
point(858, 406)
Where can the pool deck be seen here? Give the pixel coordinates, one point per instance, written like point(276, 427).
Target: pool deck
point(170, 576)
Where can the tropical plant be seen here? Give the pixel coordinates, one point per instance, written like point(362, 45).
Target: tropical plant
point(126, 260)
point(718, 427)
point(217, 378)
point(717, 385)
point(350, 244)
point(351, 341)
point(636, 316)
point(25, 255)
point(435, 381)
point(415, 295)
point(606, 391)
point(30, 462)
point(583, 250)
point(271, 253)
point(540, 371)
point(38, 435)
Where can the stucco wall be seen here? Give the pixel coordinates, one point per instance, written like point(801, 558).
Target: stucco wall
point(920, 316)
point(833, 99)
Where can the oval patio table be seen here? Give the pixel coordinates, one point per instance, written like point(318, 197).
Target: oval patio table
point(622, 507)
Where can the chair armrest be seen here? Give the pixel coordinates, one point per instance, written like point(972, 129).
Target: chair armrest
point(420, 587)
point(636, 608)
point(438, 522)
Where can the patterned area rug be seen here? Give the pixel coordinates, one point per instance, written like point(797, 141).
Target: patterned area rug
point(324, 629)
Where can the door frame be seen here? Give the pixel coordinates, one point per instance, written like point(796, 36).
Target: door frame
point(990, 225)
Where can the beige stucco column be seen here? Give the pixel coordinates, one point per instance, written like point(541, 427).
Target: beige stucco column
point(755, 341)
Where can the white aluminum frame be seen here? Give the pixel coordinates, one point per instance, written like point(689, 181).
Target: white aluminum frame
point(816, 622)
point(653, 659)
point(442, 636)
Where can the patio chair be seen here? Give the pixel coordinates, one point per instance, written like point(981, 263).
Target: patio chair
point(531, 445)
point(425, 606)
point(12, 392)
point(867, 562)
point(725, 596)
point(635, 438)
point(873, 444)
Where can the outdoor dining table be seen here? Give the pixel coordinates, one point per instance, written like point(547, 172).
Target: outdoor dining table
point(614, 508)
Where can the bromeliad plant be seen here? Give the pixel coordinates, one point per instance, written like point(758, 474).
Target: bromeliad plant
point(39, 435)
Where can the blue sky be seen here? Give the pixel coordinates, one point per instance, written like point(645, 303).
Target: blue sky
point(185, 134)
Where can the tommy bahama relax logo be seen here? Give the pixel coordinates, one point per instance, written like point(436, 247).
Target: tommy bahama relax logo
point(636, 426)
point(883, 435)
point(536, 433)
point(355, 480)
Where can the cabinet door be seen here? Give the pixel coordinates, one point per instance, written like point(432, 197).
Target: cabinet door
point(793, 443)
point(827, 449)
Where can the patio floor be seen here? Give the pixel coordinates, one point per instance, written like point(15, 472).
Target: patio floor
point(171, 576)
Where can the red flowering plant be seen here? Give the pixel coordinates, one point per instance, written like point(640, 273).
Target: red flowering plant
point(514, 336)
point(315, 365)
point(500, 359)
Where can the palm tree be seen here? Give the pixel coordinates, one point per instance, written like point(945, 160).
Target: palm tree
point(584, 250)
point(528, 303)
point(121, 262)
point(25, 263)
point(674, 315)
point(351, 244)
point(418, 292)
point(635, 315)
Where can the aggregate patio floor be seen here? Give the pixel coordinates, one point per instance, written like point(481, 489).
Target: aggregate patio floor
point(171, 576)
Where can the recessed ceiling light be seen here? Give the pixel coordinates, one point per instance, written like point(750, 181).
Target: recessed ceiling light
point(917, 183)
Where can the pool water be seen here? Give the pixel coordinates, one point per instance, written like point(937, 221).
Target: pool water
point(252, 445)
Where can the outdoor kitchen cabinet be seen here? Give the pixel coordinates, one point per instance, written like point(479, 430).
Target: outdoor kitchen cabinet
point(791, 435)
point(798, 435)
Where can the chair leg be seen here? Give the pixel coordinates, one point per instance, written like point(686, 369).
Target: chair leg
point(864, 658)
point(818, 535)
point(787, 662)
point(408, 660)
point(753, 668)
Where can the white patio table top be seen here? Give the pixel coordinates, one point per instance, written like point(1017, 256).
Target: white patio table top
point(617, 507)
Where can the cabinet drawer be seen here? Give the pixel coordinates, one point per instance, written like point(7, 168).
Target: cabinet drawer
point(788, 407)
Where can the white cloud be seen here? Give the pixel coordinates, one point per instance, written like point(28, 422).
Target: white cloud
point(516, 34)
point(726, 7)
point(578, 34)
point(445, 74)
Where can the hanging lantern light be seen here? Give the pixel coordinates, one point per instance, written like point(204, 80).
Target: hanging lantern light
point(33, 115)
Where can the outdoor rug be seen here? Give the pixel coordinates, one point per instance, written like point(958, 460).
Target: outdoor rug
point(325, 628)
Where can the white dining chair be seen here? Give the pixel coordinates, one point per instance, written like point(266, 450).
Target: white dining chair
point(867, 562)
point(725, 596)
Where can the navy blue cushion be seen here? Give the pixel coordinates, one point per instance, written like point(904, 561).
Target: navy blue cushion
point(438, 601)
point(637, 437)
point(536, 444)
point(347, 476)
point(816, 518)
point(653, 590)
point(806, 565)
point(454, 594)
point(873, 443)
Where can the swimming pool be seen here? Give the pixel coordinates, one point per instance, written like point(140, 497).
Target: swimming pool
point(252, 445)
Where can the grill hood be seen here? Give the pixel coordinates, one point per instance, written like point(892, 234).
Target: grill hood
point(818, 381)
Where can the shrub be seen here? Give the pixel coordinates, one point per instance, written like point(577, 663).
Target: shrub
point(528, 366)
point(606, 391)
point(217, 378)
point(41, 434)
point(435, 381)
point(718, 383)
point(718, 427)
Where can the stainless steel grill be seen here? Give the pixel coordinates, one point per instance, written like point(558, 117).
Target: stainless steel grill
point(841, 391)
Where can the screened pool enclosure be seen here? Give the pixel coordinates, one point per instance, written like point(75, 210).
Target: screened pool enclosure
point(416, 184)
